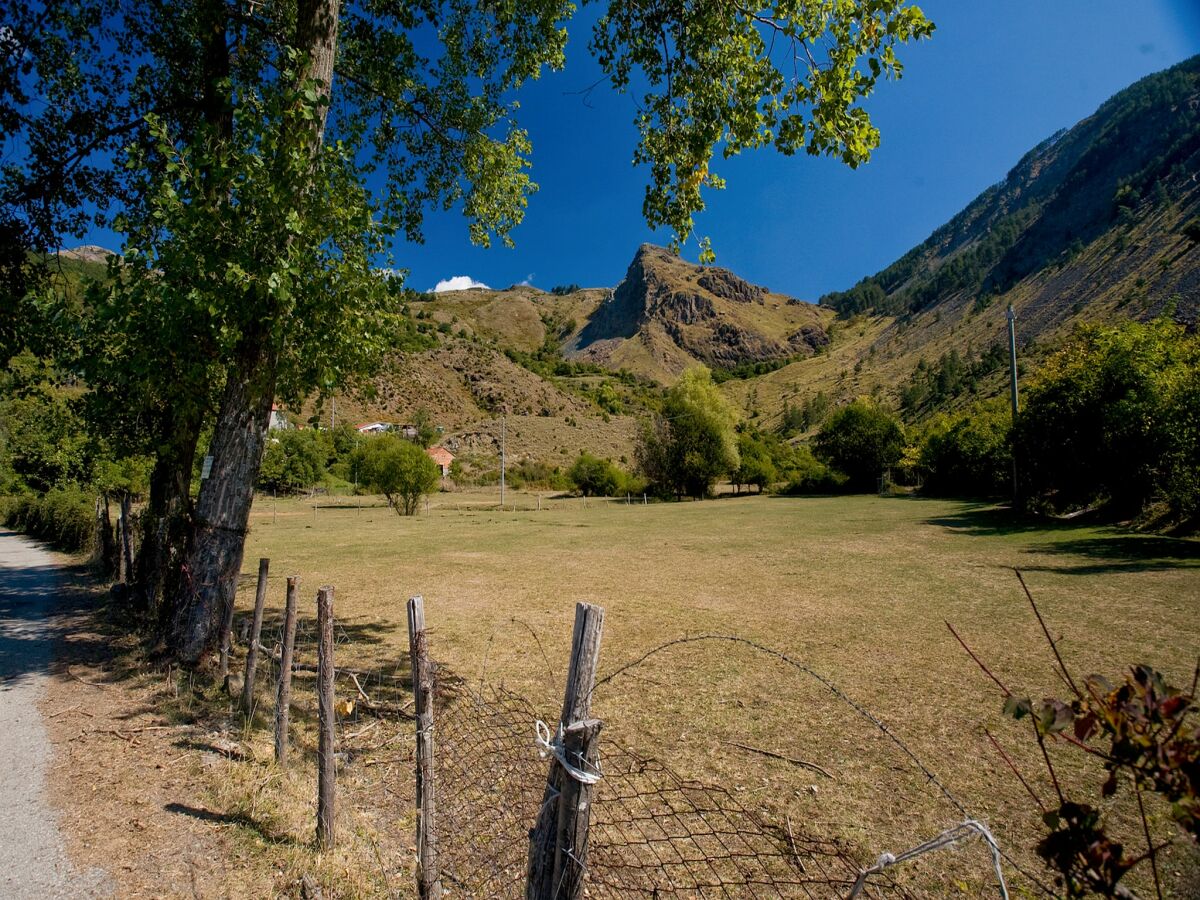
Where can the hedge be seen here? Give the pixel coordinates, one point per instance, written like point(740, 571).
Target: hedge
point(63, 517)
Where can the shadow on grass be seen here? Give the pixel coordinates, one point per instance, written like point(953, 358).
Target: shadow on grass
point(240, 819)
point(1104, 549)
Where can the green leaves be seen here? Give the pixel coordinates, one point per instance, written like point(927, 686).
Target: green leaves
point(791, 74)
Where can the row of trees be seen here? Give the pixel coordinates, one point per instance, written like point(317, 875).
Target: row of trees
point(1112, 419)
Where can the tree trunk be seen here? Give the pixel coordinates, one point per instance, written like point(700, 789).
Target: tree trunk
point(223, 509)
point(163, 548)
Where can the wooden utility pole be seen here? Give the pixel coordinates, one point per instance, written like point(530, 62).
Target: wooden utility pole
point(558, 843)
point(260, 600)
point(1013, 396)
point(283, 693)
point(326, 773)
point(503, 442)
point(429, 882)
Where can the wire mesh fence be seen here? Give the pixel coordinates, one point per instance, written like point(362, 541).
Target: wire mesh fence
point(653, 832)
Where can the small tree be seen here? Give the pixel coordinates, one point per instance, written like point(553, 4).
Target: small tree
point(757, 467)
point(294, 460)
point(400, 470)
point(969, 454)
point(595, 477)
point(692, 443)
point(860, 440)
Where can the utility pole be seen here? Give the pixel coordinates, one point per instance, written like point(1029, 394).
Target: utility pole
point(1013, 396)
point(332, 413)
point(503, 441)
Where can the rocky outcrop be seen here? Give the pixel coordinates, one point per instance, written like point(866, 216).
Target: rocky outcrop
point(728, 286)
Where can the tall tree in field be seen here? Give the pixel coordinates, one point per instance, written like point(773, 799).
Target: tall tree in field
point(686, 449)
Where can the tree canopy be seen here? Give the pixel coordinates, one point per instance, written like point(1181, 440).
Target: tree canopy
point(860, 440)
point(691, 444)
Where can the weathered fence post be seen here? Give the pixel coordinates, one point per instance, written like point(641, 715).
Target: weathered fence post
point(283, 694)
point(558, 843)
point(260, 599)
point(104, 534)
point(325, 762)
point(429, 879)
point(125, 537)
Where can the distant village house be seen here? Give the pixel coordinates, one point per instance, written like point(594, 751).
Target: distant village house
point(279, 420)
point(443, 457)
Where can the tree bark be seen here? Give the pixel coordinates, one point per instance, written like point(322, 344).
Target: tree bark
point(223, 509)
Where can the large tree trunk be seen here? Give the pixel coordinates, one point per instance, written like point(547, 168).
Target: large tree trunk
point(165, 522)
point(214, 559)
point(239, 436)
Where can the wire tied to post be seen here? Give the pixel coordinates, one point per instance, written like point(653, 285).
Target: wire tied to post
point(554, 747)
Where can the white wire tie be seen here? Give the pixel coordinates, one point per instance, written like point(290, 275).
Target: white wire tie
point(554, 747)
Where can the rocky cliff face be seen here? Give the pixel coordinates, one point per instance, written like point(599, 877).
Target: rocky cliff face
point(707, 315)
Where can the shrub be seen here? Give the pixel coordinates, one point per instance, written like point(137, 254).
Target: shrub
point(400, 470)
point(808, 475)
point(860, 440)
point(969, 454)
point(534, 473)
point(595, 477)
point(64, 517)
point(1113, 417)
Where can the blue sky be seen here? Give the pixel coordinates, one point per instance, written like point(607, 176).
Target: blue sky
point(997, 78)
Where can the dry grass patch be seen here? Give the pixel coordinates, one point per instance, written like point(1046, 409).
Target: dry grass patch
point(857, 588)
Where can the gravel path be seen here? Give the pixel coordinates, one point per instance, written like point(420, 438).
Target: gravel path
point(33, 860)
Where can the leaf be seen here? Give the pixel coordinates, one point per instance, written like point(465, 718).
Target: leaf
point(1017, 707)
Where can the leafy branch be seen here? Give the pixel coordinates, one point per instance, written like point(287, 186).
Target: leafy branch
point(1145, 732)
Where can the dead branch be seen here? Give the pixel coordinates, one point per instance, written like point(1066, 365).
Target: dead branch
point(771, 753)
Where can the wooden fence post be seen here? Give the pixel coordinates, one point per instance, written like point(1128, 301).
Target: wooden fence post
point(126, 538)
point(325, 762)
point(558, 843)
point(260, 599)
point(283, 694)
point(429, 880)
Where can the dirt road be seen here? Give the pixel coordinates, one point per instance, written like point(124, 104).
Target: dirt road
point(33, 861)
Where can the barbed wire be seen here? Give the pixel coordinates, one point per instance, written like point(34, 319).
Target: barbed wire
point(842, 696)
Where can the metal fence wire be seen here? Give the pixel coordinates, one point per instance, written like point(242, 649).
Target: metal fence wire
point(653, 833)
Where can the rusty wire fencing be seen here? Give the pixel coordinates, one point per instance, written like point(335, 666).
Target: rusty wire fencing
point(652, 833)
point(586, 816)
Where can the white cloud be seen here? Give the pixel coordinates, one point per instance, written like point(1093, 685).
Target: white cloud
point(528, 282)
point(458, 283)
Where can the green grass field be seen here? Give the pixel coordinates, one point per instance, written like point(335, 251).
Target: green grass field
point(858, 588)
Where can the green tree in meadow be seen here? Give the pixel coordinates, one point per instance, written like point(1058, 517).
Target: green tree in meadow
point(860, 440)
point(969, 454)
point(294, 460)
point(1113, 417)
point(400, 470)
point(756, 464)
point(691, 444)
point(595, 477)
